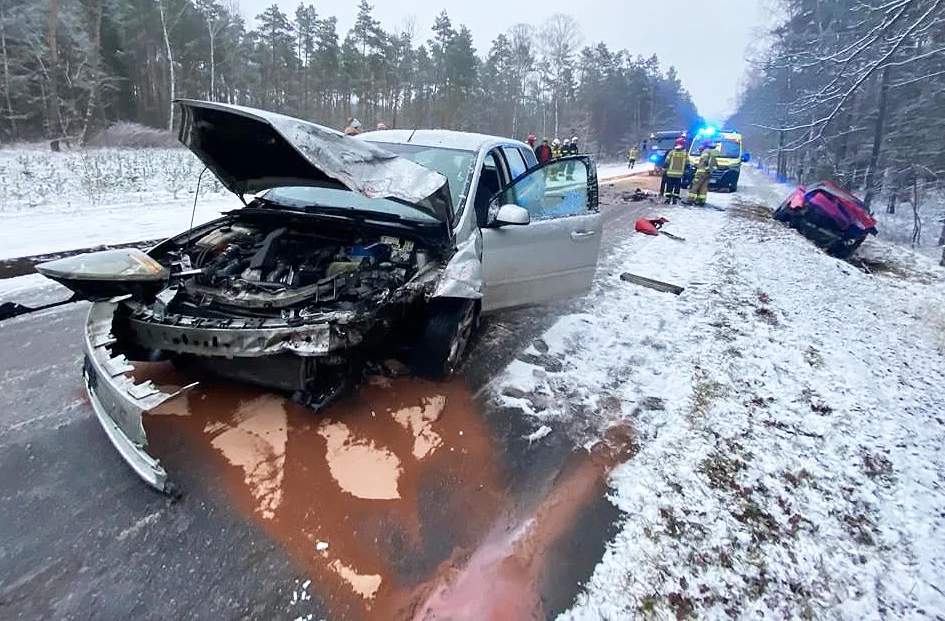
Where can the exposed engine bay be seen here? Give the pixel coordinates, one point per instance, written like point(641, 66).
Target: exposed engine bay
point(253, 271)
point(279, 306)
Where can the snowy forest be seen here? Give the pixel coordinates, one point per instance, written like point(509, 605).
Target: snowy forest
point(853, 91)
point(73, 67)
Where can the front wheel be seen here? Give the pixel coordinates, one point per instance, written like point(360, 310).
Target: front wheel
point(446, 336)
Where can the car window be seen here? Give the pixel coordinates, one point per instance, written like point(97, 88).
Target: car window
point(556, 190)
point(515, 161)
point(530, 160)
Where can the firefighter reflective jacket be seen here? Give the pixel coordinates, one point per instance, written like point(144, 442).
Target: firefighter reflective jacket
point(675, 163)
point(632, 153)
point(707, 161)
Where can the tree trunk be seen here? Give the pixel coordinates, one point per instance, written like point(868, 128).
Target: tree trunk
point(213, 65)
point(6, 78)
point(556, 115)
point(53, 126)
point(893, 195)
point(916, 221)
point(170, 66)
point(93, 91)
point(877, 139)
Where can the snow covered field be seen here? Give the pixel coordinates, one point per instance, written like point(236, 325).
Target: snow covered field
point(788, 408)
point(63, 201)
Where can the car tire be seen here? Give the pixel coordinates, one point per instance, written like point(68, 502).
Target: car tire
point(446, 336)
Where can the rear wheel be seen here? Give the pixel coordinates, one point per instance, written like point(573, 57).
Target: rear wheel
point(446, 336)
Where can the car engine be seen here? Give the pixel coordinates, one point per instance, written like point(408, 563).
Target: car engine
point(263, 272)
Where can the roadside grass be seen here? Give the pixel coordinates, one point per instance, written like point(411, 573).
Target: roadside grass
point(751, 211)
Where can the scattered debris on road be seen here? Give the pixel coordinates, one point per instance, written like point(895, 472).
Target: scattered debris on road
point(665, 287)
point(538, 434)
point(654, 226)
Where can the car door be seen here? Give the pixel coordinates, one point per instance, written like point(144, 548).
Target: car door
point(554, 256)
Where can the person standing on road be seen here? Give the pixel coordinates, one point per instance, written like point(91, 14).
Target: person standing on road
point(530, 141)
point(699, 191)
point(556, 148)
point(632, 157)
point(675, 165)
point(572, 150)
point(543, 152)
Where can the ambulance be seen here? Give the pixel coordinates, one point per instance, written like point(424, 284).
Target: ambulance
point(728, 152)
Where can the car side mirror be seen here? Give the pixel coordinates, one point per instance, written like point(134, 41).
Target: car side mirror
point(510, 214)
point(746, 157)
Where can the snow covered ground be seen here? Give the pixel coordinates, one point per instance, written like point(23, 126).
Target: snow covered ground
point(788, 408)
point(51, 202)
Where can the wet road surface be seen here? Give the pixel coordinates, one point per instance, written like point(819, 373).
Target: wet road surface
point(406, 500)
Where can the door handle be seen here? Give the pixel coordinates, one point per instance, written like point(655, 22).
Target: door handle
point(582, 234)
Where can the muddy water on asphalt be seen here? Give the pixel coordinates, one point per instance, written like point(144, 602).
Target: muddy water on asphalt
point(393, 501)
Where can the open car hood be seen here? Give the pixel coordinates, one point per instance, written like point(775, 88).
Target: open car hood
point(252, 150)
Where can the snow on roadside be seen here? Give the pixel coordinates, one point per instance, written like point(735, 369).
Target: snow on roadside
point(788, 410)
point(31, 290)
point(51, 202)
point(613, 170)
point(26, 234)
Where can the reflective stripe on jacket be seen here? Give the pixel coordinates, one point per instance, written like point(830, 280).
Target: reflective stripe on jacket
point(676, 163)
point(707, 161)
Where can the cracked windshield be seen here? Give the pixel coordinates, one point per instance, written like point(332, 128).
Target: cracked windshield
point(437, 310)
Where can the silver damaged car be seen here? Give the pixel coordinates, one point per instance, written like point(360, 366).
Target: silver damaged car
point(341, 241)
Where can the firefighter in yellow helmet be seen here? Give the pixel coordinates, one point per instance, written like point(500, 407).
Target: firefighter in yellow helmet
point(556, 148)
point(699, 190)
point(632, 156)
point(675, 165)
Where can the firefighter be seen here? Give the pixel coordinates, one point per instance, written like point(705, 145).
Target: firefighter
point(531, 141)
point(556, 148)
point(699, 190)
point(632, 156)
point(573, 149)
point(675, 165)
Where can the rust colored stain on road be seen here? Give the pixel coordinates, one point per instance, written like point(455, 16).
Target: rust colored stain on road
point(370, 496)
point(392, 501)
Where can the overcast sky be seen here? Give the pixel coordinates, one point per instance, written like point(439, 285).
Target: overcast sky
point(709, 68)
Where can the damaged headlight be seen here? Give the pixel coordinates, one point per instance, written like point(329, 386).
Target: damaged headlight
point(108, 274)
point(129, 264)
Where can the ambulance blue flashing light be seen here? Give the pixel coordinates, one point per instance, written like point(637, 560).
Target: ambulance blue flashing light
point(708, 130)
point(655, 157)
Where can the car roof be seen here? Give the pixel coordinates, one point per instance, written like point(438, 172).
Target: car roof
point(465, 141)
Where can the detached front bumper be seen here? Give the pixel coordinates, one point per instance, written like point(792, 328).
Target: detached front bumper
point(118, 402)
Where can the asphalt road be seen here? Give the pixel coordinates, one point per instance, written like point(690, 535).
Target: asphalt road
point(267, 485)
